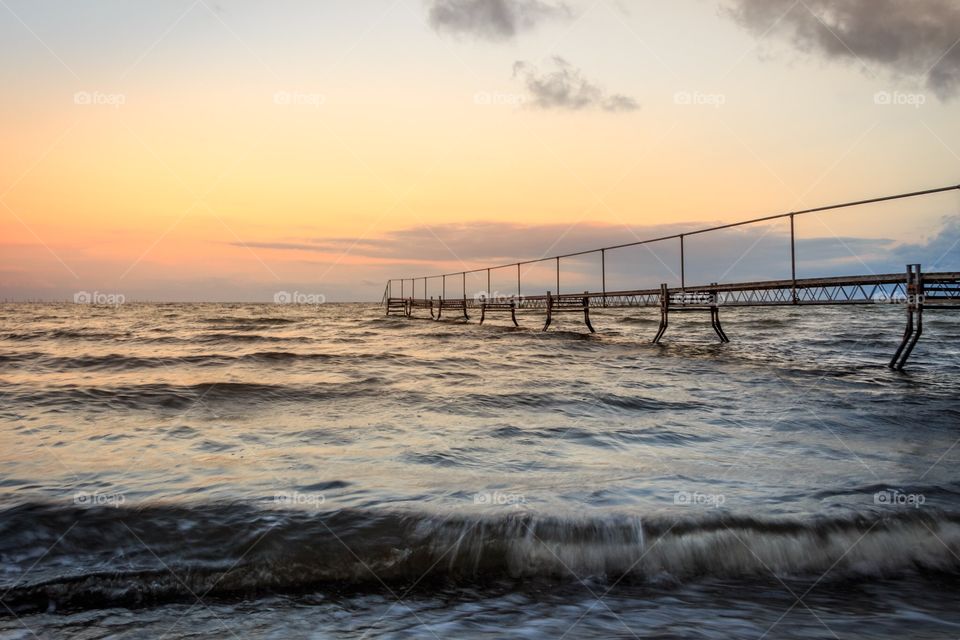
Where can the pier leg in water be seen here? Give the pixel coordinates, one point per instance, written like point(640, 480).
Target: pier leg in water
point(439, 309)
point(549, 311)
point(907, 332)
point(914, 329)
point(715, 322)
point(483, 311)
point(715, 316)
point(513, 313)
point(664, 312)
point(586, 313)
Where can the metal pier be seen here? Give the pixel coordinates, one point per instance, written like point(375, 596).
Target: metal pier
point(916, 291)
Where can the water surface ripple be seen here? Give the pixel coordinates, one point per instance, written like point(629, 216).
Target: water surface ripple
point(304, 471)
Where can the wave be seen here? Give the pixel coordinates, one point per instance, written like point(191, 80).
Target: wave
point(16, 358)
point(240, 320)
point(219, 338)
point(120, 362)
point(228, 334)
point(486, 404)
point(102, 557)
point(179, 397)
point(60, 334)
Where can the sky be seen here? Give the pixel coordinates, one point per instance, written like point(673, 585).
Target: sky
point(193, 150)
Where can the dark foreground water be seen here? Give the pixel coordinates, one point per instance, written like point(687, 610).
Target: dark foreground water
point(282, 471)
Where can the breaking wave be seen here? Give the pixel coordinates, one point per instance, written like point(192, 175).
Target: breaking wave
point(127, 557)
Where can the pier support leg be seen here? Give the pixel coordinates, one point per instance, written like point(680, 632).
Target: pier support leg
point(914, 329)
point(907, 333)
point(465, 316)
point(715, 315)
point(431, 306)
point(664, 313)
point(549, 311)
point(483, 311)
point(586, 313)
point(513, 313)
point(439, 309)
point(715, 322)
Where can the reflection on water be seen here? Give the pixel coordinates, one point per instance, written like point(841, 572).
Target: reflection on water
point(302, 468)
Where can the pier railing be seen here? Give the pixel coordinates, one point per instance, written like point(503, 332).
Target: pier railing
point(440, 285)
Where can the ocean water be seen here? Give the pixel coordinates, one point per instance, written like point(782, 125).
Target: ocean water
point(288, 471)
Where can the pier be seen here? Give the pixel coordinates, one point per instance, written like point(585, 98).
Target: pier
point(913, 289)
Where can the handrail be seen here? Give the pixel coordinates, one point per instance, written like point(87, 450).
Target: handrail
point(680, 236)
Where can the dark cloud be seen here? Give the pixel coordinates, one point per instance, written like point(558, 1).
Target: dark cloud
point(910, 37)
point(941, 252)
point(493, 19)
point(565, 87)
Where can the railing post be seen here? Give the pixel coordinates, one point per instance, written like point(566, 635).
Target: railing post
point(683, 275)
point(793, 258)
point(444, 286)
point(390, 288)
point(558, 275)
point(603, 274)
point(424, 288)
point(488, 282)
point(464, 274)
point(518, 280)
point(401, 288)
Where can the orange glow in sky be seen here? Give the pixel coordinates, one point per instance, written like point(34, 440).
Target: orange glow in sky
point(193, 151)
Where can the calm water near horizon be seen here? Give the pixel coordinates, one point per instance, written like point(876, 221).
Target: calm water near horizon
point(292, 471)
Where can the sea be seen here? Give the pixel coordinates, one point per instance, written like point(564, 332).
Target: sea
point(326, 471)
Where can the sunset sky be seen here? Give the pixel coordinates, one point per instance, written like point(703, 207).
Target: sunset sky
point(203, 150)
